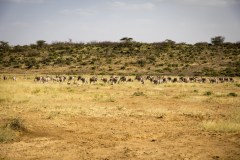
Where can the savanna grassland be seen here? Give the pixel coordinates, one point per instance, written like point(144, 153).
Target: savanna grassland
point(130, 120)
point(122, 121)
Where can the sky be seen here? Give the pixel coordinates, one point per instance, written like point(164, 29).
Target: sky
point(190, 21)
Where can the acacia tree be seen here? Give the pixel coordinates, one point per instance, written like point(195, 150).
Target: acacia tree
point(40, 43)
point(4, 46)
point(126, 39)
point(218, 40)
point(169, 42)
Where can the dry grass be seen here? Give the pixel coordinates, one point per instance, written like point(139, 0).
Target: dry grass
point(230, 124)
point(163, 109)
point(222, 126)
point(11, 129)
point(55, 99)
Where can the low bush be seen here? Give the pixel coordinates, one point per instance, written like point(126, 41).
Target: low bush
point(208, 93)
point(238, 85)
point(232, 94)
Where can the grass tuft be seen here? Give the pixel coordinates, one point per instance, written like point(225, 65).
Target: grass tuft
point(208, 93)
point(195, 91)
point(36, 91)
point(138, 93)
point(16, 124)
point(10, 131)
point(6, 134)
point(4, 100)
point(110, 99)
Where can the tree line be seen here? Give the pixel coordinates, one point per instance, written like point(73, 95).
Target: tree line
point(217, 41)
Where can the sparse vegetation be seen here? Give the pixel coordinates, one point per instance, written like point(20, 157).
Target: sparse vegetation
point(103, 115)
point(167, 57)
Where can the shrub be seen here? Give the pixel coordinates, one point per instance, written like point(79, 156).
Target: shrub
point(167, 69)
point(84, 63)
point(195, 91)
point(123, 68)
point(208, 93)
point(232, 94)
point(141, 62)
point(17, 66)
point(159, 70)
point(209, 72)
point(15, 124)
point(11, 129)
point(151, 59)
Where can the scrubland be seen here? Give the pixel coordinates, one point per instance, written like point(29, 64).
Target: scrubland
point(131, 58)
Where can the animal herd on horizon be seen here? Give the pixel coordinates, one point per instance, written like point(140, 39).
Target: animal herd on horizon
point(124, 79)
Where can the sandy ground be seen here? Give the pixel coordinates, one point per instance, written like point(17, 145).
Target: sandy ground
point(128, 127)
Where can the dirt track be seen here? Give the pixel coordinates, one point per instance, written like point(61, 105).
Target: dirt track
point(122, 138)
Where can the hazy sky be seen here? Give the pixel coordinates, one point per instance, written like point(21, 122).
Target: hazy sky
point(190, 21)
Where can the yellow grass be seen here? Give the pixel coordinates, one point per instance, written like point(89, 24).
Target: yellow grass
point(222, 126)
point(174, 108)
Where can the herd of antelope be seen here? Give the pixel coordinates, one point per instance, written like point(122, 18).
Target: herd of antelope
point(119, 79)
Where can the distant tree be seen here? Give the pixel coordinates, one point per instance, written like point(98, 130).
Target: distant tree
point(201, 44)
point(167, 44)
point(40, 43)
point(33, 46)
point(170, 42)
point(4, 46)
point(18, 48)
point(126, 39)
point(218, 40)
